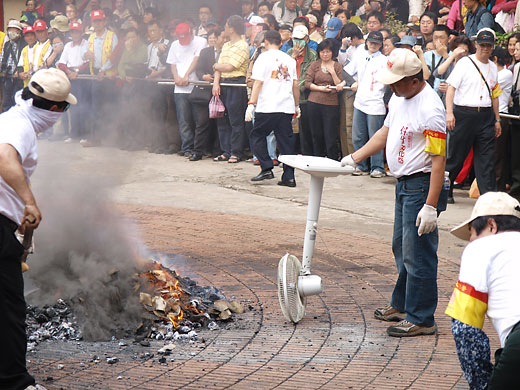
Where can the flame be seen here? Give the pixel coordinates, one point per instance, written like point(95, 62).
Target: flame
point(161, 282)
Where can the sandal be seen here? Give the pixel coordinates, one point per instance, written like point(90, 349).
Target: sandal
point(250, 160)
point(234, 159)
point(221, 158)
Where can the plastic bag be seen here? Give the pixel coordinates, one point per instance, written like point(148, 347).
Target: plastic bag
point(216, 108)
point(474, 192)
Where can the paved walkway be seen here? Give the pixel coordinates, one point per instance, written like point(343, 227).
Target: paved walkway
point(337, 345)
point(230, 234)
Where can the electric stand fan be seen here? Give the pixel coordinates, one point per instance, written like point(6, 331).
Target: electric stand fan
point(295, 281)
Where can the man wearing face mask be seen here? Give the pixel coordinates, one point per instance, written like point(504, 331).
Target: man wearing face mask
point(9, 60)
point(304, 57)
point(37, 108)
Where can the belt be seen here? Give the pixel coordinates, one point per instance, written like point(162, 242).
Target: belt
point(6, 221)
point(478, 109)
point(413, 176)
point(240, 78)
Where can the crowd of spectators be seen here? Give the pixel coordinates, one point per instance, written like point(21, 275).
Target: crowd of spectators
point(115, 57)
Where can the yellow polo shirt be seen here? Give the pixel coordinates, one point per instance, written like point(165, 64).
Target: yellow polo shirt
point(236, 54)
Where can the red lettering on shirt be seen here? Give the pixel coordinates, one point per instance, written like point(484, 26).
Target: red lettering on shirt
point(402, 150)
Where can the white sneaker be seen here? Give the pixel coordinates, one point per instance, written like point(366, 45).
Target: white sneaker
point(68, 140)
point(359, 172)
point(377, 174)
point(36, 387)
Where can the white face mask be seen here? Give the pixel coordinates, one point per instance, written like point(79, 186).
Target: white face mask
point(13, 35)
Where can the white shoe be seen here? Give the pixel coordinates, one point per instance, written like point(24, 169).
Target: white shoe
point(36, 387)
point(359, 172)
point(83, 141)
point(68, 140)
point(376, 174)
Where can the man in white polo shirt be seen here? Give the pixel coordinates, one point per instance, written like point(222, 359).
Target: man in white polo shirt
point(276, 95)
point(37, 108)
point(414, 134)
point(472, 113)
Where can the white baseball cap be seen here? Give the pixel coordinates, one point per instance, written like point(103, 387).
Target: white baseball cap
point(300, 32)
point(489, 204)
point(401, 63)
point(52, 84)
point(15, 24)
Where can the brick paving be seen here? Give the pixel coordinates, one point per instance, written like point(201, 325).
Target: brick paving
point(338, 344)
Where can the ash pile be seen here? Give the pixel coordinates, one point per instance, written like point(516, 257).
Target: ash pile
point(171, 308)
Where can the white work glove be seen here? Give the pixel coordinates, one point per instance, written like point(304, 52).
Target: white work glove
point(348, 160)
point(297, 111)
point(249, 112)
point(426, 220)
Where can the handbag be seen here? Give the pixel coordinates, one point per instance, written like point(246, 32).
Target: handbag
point(216, 108)
point(200, 95)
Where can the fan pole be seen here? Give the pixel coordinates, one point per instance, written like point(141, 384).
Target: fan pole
point(313, 212)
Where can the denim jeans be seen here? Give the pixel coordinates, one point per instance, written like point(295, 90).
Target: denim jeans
point(185, 118)
point(415, 291)
point(364, 126)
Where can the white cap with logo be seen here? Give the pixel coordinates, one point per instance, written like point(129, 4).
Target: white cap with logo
point(52, 84)
point(401, 63)
point(489, 204)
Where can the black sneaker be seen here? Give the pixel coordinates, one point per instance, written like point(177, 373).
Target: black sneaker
point(263, 175)
point(287, 183)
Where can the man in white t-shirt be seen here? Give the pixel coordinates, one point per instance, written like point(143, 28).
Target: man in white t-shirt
point(369, 107)
point(414, 134)
point(37, 108)
point(183, 56)
point(488, 285)
point(276, 96)
point(472, 115)
point(72, 62)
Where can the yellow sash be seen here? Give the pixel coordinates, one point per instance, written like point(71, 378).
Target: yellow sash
point(105, 52)
point(2, 38)
point(26, 63)
point(42, 53)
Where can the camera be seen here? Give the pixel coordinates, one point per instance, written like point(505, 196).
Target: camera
point(419, 40)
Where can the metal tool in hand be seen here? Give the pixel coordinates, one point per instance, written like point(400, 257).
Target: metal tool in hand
point(27, 242)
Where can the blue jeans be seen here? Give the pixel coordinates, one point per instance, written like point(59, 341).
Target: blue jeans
point(364, 126)
point(415, 291)
point(186, 120)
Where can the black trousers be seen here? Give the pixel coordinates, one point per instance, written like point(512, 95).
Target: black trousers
point(507, 362)
point(10, 86)
point(503, 155)
point(515, 158)
point(305, 132)
point(477, 130)
point(281, 124)
point(13, 370)
point(324, 124)
point(104, 110)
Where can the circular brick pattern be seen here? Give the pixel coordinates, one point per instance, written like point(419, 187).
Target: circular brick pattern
point(338, 344)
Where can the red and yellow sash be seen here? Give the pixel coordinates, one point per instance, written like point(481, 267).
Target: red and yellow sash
point(105, 52)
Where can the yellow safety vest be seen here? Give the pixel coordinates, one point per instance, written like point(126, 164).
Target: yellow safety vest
point(105, 52)
point(42, 53)
point(2, 38)
point(26, 62)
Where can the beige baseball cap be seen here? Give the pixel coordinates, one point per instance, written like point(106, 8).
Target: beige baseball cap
point(491, 203)
point(52, 84)
point(401, 63)
point(300, 32)
point(15, 24)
